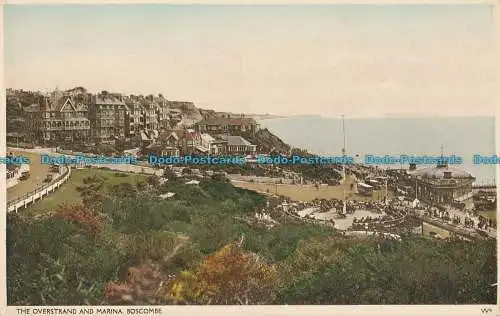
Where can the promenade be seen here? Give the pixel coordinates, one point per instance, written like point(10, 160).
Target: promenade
point(140, 169)
point(457, 229)
point(36, 152)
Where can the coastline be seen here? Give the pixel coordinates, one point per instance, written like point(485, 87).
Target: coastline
point(323, 137)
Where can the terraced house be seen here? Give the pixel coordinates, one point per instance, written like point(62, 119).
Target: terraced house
point(62, 117)
point(134, 120)
point(145, 116)
point(107, 117)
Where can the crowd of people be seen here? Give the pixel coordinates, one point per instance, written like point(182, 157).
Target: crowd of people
point(437, 213)
point(484, 223)
point(365, 223)
point(473, 220)
point(351, 206)
point(393, 214)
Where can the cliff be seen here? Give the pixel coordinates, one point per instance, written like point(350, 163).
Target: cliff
point(267, 142)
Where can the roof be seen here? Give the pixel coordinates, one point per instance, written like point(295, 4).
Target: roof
point(438, 173)
point(109, 99)
point(207, 137)
point(32, 108)
point(64, 103)
point(133, 105)
point(176, 134)
point(144, 136)
point(192, 135)
point(154, 146)
point(219, 141)
point(77, 90)
point(202, 149)
point(173, 135)
point(236, 140)
point(227, 121)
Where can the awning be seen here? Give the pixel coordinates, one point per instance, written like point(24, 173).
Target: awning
point(202, 149)
point(364, 185)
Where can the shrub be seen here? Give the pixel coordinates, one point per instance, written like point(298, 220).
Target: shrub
point(79, 215)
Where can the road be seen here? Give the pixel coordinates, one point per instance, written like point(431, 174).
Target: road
point(38, 173)
point(117, 167)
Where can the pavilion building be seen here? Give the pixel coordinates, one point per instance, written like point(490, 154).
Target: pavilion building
point(443, 184)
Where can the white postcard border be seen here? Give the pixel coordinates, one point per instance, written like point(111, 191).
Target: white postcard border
point(247, 310)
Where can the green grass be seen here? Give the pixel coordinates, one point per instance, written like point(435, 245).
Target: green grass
point(69, 194)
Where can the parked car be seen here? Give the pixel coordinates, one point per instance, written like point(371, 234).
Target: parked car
point(54, 168)
point(48, 178)
point(24, 176)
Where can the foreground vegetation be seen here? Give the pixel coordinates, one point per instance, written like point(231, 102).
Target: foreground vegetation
point(70, 192)
point(125, 245)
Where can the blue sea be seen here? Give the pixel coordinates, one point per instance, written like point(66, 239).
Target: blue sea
point(462, 137)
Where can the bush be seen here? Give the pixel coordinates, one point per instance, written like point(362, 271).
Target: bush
point(55, 262)
point(409, 272)
point(147, 246)
point(81, 216)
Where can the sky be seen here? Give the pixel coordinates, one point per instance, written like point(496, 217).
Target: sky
point(359, 60)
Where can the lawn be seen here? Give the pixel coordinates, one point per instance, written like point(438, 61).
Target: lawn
point(68, 192)
point(428, 228)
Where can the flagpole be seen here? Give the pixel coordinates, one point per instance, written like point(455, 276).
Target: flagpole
point(343, 164)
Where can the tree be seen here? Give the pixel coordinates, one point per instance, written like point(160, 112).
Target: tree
point(154, 181)
point(169, 174)
point(120, 146)
point(91, 193)
point(124, 190)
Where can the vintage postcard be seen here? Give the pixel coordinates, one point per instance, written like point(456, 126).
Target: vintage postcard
point(250, 159)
